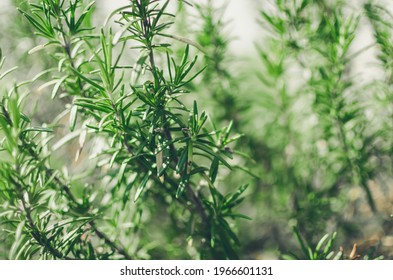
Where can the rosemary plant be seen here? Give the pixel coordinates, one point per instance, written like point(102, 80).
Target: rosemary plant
point(134, 133)
point(318, 144)
point(157, 153)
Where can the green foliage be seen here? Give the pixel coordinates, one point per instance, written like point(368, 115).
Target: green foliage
point(316, 140)
point(322, 250)
point(156, 150)
point(146, 136)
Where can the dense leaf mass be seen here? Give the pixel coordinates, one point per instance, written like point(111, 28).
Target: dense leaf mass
point(140, 135)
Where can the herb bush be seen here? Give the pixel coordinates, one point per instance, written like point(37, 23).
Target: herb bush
point(140, 135)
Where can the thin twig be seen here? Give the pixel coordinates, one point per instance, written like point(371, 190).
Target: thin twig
point(146, 27)
point(35, 232)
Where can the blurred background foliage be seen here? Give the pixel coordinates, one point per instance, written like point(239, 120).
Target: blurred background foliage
point(313, 101)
